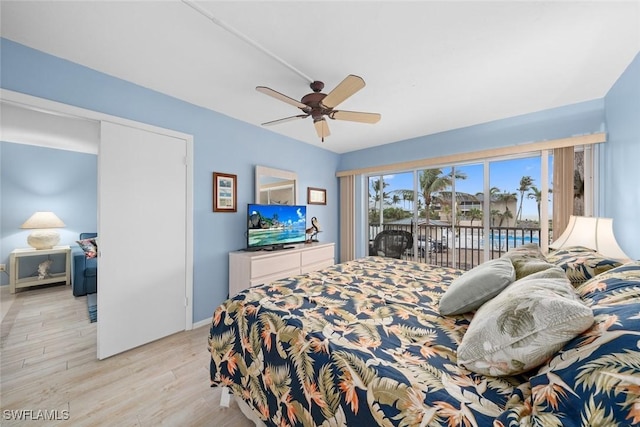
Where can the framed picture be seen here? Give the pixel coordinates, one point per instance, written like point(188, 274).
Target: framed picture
point(224, 192)
point(316, 196)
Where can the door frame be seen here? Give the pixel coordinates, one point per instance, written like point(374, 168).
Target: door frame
point(54, 107)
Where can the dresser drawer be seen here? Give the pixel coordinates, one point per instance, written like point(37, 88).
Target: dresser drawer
point(317, 266)
point(314, 256)
point(272, 265)
point(273, 277)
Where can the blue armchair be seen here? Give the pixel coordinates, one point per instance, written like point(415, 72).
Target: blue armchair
point(85, 270)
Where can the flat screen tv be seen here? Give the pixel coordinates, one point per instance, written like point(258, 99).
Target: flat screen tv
point(272, 227)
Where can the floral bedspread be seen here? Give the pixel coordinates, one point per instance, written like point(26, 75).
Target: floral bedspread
point(595, 379)
point(358, 344)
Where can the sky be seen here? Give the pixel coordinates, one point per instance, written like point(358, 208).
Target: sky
point(504, 174)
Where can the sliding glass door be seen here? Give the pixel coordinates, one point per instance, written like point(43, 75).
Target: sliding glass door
point(462, 215)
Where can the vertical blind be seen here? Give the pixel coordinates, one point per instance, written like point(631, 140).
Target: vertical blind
point(347, 218)
point(563, 172)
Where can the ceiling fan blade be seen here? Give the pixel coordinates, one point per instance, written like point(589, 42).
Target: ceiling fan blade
point(350, 85)
point(355, 116)
point(286, 119)
point(322, 128)
point(281, 97)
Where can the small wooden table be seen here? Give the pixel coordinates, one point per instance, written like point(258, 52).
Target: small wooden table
point(15, 281)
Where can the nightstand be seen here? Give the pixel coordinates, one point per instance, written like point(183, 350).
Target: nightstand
point(16, 282)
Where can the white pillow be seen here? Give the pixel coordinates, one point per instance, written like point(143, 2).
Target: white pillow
point(476, 286)
point(523, 326)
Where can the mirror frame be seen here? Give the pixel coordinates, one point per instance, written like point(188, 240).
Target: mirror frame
point(263, 171)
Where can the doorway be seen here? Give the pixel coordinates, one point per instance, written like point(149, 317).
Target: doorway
point(130, 336)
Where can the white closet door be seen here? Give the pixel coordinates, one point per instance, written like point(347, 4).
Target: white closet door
point(141, 237)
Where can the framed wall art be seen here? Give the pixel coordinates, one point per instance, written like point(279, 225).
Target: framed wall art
point(224, 192)
point(316, 196)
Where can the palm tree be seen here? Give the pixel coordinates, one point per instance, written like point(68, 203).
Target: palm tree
point(446, 211)
point(536, 194)
point(474, 213)
point(409, 197)
point(406, 195)
point(433, 181)
point(378, 186)
point(492, 196)
point(525, 183)
point(494, 213)
point(505, 215)
point(506, 198)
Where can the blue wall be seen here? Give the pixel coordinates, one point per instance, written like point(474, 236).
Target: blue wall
point(45, 179)
point(224, 144)
point(221, 144)
point(562, 122)
point(620, 172)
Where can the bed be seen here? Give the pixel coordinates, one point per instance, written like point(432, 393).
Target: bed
point(364, 343)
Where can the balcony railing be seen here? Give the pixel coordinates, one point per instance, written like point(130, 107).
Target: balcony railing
point(437, 244)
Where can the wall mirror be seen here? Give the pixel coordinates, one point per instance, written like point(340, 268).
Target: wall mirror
point(276, 186)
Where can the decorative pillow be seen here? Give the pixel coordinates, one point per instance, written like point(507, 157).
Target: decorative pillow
point(548, 273)
point(476, 286)
point(523, 326)
point(593, 380)
point(529, 250)
point(89, 247)
point(527, 259)
point(580, 263)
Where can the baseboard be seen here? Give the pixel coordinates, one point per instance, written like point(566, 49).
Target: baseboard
point(201, 323)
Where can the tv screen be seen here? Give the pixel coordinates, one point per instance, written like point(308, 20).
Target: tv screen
point(273, 226)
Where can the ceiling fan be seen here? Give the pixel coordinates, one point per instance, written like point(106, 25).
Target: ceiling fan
point(318, 105)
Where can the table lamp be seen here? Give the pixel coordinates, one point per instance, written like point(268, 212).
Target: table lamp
point(591, 232)
point(42, 236)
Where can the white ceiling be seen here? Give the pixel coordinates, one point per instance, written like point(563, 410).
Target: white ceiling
point(430, 66)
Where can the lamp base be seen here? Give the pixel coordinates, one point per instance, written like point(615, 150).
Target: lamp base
point(43, 239)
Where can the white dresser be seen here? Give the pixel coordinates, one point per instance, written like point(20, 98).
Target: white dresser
point(254, 268)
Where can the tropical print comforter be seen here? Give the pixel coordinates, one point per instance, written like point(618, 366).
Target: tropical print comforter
point(594, 381)
point(358, 344)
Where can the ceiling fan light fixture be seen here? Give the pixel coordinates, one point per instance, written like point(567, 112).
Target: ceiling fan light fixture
point(322, 128)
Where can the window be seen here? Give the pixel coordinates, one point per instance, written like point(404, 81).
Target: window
point(464, 214)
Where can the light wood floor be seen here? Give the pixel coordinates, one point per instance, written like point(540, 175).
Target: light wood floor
point(48, 362)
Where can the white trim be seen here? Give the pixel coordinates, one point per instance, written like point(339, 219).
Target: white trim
point(54, 107)
point(189, 233)
point(45, 105)
point(486, 212)
point(544, 201)
point(201, 323)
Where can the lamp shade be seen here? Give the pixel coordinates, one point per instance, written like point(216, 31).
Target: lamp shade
point(40, 237)
point(43, 220)
point(593, 233)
